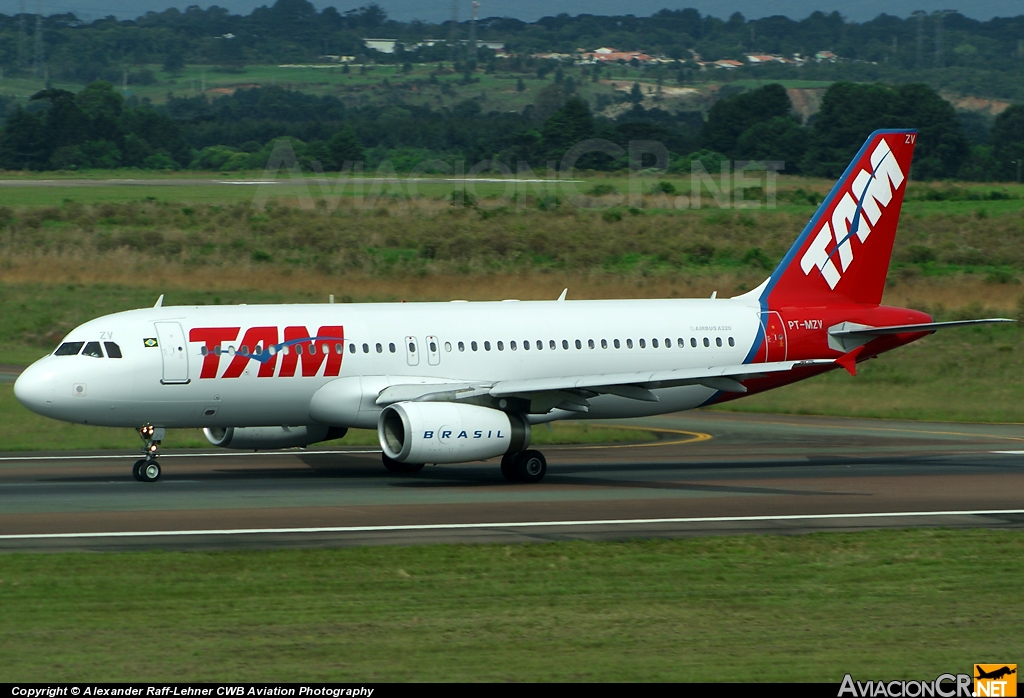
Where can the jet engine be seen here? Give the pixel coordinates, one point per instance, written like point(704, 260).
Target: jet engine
point(445, 432)
point(261, 438)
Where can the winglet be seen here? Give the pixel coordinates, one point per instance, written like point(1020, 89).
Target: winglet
point(564, 291)
point(159, 302)
point(849, 360)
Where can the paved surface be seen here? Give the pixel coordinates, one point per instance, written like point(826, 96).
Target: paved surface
point(755, 473)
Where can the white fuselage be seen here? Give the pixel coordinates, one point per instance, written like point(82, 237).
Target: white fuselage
point(187, 381)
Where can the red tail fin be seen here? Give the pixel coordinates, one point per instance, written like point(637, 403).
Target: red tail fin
point(843, 253)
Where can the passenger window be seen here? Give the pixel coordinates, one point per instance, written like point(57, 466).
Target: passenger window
point(448, 346)
point(244, 350)
point(668, 342)
point(69, 349)
point(379, 348)
point(681, 343)
point(391, 347)
point(654, 342)
point(473, 345)
point(551, 343)
point(540, 345)
point(579, 344)
point(512, 345)
point(707, 342)
point(93, 349)
point(732, 342)
point(339, 348)
point(217, 351)
point(643, 343)
point(114, 351)
point(462, 346)
point(203, 350)
point(604, 343)
point(718, 341)
point(693, 341)
point(617, 345)
point(433, 346)
point(501, 346)
point(487, 346)
point(296, 347)
point(412, 347)
point(526, 345)
point(590, 343)
point(366, 348)
point(351, 348)
point(565, 344)
point(629, 343)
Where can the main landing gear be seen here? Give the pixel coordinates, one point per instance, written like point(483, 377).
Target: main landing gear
point(147, 469)
point(528, 466)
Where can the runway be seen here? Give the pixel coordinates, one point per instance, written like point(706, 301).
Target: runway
point(711, 473)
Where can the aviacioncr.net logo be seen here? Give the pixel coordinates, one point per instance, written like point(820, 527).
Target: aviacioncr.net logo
point(943, 686)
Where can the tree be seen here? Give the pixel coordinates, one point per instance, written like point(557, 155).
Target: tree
point(850, 112)
point(567, 127)
point(1008, 141)
point(344, 147)
point(782, 138)
point(636, 95)
point(174, 62)
point(729, 118)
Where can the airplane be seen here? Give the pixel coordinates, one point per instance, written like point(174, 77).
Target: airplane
point(995, 673)
point(466, 381)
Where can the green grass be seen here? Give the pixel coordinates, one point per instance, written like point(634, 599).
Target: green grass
point(880, 605)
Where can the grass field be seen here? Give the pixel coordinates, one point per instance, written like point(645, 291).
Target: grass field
point(880, 605)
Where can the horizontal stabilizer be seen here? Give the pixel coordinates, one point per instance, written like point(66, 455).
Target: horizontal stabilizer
point(855, 330)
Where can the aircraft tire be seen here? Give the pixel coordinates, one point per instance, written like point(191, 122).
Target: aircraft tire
point(530, 466)
point(395, 466)
point(149, 471)
point(137, 469)
point(508, 467)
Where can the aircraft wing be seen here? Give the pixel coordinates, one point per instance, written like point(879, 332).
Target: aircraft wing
point(571, 392)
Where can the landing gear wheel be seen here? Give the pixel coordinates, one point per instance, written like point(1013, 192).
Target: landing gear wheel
point(395, 466)
point(137, 469)
point(149, 471)
point(528, 466)
point(508, 466)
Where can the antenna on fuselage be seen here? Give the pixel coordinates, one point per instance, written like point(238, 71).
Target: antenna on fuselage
point(564, 291)
point(159, 302)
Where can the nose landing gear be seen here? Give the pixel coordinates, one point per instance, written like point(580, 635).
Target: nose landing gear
point(147, 469)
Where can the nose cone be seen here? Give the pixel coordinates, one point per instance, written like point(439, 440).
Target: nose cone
point(35, 388)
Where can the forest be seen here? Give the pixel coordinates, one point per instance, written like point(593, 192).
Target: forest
point(890, 73)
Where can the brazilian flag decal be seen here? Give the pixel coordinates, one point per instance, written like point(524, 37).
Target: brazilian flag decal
point(150, 341)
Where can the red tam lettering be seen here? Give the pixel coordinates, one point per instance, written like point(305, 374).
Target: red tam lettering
point(264, 337)
point(213, 337)
point(313, 353)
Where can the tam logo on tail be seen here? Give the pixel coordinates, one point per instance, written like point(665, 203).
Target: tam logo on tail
point(845, 248)
point(855, 214)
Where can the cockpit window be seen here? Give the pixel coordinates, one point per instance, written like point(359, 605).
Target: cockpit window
point(93, 349)
point(69, 348)
point(113, 351)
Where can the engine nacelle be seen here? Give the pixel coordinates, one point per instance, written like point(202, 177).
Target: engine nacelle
point(445, 432)
point(260, 438)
